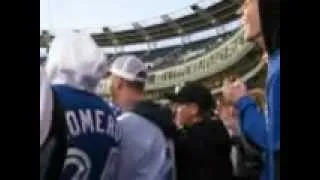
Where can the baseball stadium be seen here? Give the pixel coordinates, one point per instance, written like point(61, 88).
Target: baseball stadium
point(188, 94)
point(202, 42)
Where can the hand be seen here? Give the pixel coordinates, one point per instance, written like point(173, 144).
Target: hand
point(233, 91)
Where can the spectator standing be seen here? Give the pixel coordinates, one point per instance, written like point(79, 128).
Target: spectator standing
point(144, 148)
point(245, 155)
point(261, 19)
point(75, 66)
point(203, 145)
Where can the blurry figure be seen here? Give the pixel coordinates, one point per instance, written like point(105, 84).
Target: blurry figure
point(75, 66)
point(53, 138)
point(264, 57)
point(245, 155)
point(161, 116)
point(227, 113)
point(203, 145)
point(258, 96)
point(261, 20)
point(128, 76)
point(144, 148)
point(46, 106)
point(173, 107)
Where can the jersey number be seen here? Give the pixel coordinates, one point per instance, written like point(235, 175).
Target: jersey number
point(79, 159)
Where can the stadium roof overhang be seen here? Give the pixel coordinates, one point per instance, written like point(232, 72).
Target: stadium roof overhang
point(212, 16)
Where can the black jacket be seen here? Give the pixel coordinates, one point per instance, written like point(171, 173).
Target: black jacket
point(203, 152)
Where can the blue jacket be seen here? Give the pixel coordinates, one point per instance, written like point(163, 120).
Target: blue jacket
point(264, 129)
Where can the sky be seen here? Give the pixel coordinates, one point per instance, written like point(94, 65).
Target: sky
point(82, 14)
point(60, 16)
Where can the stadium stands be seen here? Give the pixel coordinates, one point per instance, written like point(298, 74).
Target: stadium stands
point(200, 18)
point(214, 46)
point(169, 56)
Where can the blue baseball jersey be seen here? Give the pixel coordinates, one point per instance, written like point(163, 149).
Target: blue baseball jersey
point(93, 136)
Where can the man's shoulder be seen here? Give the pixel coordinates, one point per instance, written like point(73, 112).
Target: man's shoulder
point(138, 122)
point(128, 117)
point(134, 123)
point(211, 124)
point(117, 111)
point(212, 129)
point(138, 130)
point(77, 96)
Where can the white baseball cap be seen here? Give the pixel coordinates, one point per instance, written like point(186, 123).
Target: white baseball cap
point(129, 67)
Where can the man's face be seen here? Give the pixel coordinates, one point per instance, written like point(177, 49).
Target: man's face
point(185, 113)
point(251, 20)
point(225, 112)
point(114, 87)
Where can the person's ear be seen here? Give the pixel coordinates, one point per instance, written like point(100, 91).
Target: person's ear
point(118, 84)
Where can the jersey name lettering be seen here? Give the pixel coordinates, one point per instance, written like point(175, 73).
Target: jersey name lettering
point(88, 121)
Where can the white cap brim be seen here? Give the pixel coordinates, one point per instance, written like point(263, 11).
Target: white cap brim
point(126, 75)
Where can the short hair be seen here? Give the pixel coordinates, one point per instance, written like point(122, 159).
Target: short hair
point(231, 77)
